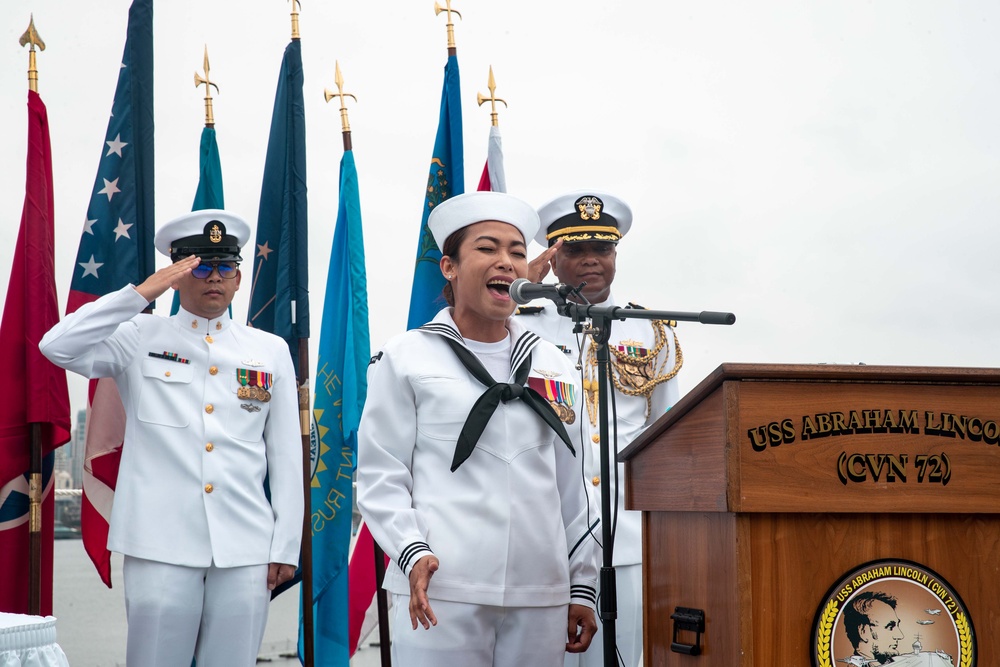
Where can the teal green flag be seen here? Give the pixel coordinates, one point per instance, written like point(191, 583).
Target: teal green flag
point(209, 194)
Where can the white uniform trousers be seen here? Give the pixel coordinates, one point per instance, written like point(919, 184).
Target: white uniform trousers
point(628, 625)
point(215, 614)
point(473, 635)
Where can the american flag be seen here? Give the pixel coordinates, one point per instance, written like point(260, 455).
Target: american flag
point(116, 248)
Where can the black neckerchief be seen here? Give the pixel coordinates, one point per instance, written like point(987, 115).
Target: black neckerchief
point(496, 392)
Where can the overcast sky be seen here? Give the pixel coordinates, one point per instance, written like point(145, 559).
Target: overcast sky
point(827, 170)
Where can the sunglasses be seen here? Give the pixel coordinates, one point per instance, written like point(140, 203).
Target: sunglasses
point(227, 270)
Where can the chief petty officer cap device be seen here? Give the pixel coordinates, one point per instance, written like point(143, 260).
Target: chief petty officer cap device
point(209, 234)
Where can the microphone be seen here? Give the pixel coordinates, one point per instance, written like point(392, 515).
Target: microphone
point(524, 291)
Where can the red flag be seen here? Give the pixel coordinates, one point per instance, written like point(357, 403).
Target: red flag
point(362, 616)
point(36, 388)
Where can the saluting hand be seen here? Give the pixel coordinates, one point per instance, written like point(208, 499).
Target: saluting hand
point(539, 267)
point(581, 628)
point(155, 285)
point(420, 579)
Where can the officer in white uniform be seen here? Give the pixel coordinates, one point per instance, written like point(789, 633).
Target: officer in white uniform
point(473, 487)
point(210, 409)
point(580, 231)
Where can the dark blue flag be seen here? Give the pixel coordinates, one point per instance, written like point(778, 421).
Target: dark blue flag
point(446, 178)
point(279, 296)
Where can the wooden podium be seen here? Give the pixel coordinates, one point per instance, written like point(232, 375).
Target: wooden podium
point(766, 483)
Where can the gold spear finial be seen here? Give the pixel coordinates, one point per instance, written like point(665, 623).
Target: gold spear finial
point(345, 126)
point(295, 18)
point(199, 80)
point(31, 37)
point(451, 26)
point(492, 85)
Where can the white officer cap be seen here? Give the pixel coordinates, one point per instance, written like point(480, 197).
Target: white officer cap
point(209, 233)
point(466, 209)
point(584, 215)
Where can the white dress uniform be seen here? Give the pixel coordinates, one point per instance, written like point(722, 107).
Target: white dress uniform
point(632, 418)
point(190, 488)
point(515, 525)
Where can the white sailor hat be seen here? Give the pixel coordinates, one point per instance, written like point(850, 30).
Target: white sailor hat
point(584, 215)
point(466, 209)
point(209, 233)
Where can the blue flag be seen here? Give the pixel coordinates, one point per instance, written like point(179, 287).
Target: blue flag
point(209, 193)
point(341, 386)
point(446, 178)
point(279, 296)
point(116, 248)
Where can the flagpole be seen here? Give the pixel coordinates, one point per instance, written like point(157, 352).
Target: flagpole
point(306, 552)
point(306, 556)
point(493, 178)
point(341, 388)
point(31, 37)
point(491, 84)
point(35, 523)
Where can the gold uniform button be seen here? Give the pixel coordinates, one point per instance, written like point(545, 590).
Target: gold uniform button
point(167, 373)
point(596, 438)
point(209, 339)
point(213, 370)
point(596, 481)
point(208, 488)
point(209, 408)
point(209, 447)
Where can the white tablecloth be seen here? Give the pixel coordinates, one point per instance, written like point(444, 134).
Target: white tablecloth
point(29, 641)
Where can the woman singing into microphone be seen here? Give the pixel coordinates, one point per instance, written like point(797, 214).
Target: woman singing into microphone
point(467, 475)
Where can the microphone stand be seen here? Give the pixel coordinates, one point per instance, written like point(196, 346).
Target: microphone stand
point(601, 318)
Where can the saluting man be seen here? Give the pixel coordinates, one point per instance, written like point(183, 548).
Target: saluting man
point(580, 232)
point(210, 409)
